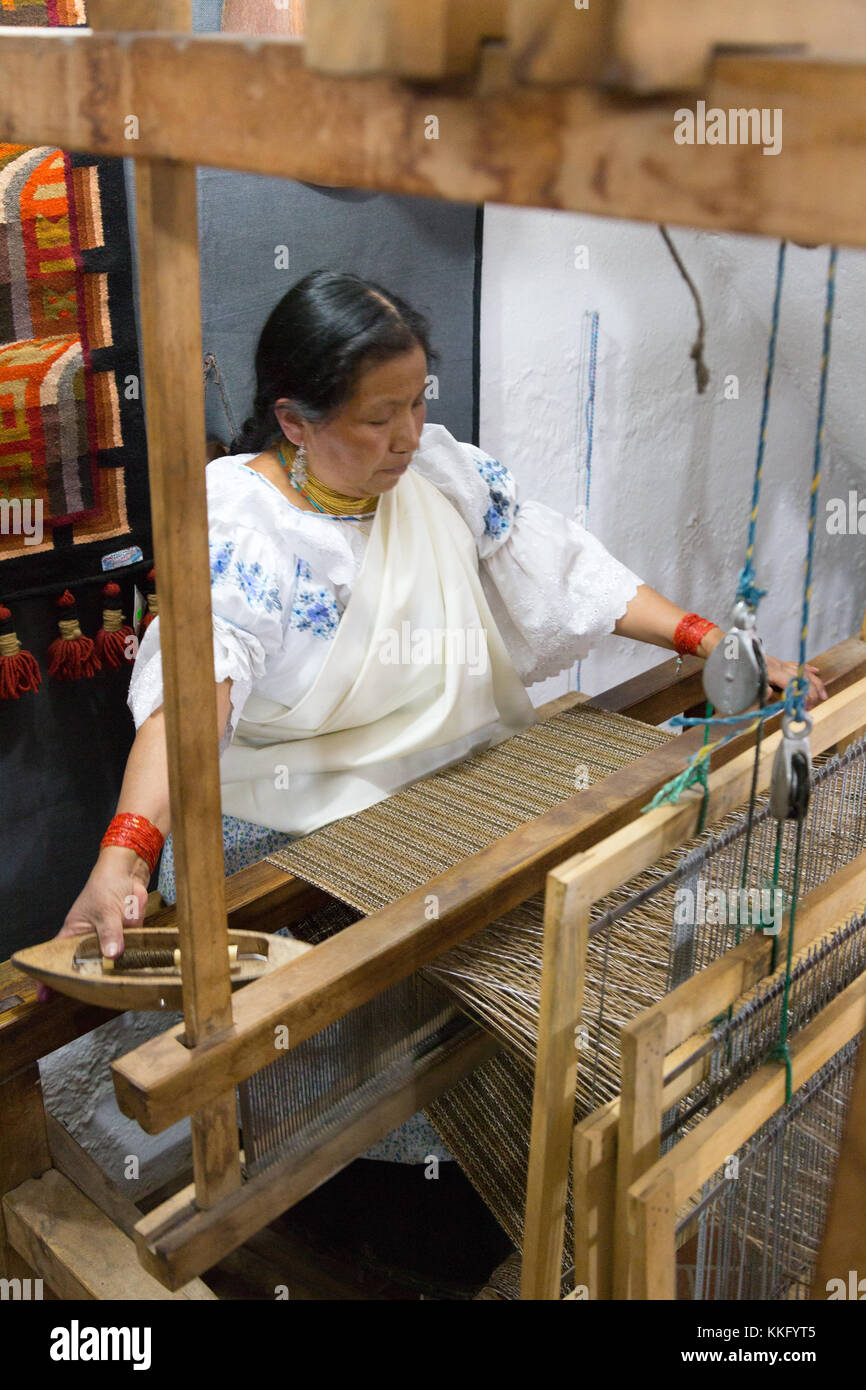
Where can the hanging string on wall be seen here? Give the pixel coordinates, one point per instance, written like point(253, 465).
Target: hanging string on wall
point(211, 373)
point(587, 415)
point(702, 371)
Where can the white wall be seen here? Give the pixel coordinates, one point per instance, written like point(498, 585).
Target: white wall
point(671, 470)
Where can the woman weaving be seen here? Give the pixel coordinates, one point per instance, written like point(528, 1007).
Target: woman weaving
point(337, 490)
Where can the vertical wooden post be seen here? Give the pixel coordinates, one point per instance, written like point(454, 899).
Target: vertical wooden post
point(594, 1187)
point(167, 223)
point(652, 1256)
point(639, 1139)
point(844, 1245)
point(24, 1149)
point(566, 932)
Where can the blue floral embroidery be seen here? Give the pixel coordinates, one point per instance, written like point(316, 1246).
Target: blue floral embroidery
point(259, 588)
point(314, 609)
point(500, 513)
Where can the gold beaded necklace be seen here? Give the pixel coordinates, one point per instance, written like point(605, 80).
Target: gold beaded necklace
point(325, 499)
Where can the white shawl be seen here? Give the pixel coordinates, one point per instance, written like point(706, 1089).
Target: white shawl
point(416, 677)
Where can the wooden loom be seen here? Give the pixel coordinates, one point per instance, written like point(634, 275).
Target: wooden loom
point(224, 1042)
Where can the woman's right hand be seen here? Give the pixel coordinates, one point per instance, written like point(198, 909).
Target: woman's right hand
point(114, 896)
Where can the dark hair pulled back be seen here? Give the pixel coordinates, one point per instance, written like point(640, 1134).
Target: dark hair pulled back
point(315, 343)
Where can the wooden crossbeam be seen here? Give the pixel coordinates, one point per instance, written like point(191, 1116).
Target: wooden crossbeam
point(664, 45)
point(574, 148)
point(642, 45)
point(437, 39)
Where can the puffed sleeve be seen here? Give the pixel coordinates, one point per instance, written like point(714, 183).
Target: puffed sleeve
point(250, 596)
point(554, 590)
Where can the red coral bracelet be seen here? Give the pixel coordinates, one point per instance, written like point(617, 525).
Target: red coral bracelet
point(138, 833)
point(690, 632)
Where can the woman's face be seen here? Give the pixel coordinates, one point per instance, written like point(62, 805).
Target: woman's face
point(367, 447)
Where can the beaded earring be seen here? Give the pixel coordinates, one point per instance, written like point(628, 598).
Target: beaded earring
point(299, 467)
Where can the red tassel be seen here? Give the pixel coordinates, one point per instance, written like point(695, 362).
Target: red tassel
point(71, 656)
point(152, 604)
point(112, 639)
point(19, 670)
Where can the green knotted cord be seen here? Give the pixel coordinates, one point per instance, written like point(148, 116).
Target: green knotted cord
point(781, 1052)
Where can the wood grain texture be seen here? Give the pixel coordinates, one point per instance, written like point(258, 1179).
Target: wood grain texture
point(76, 1164)
point(566, 933)
point(662, 46)
point(553, 42)
point(73, 966)
point(170, 304)
point(631, 850)
point(684, 1012)
point(572, 147)
point(74, 1246)
point(700, 1152)
point(654, 1199)
point(23, 1140)
point(639, 1137)
point(438, 39)
point(844, 1245)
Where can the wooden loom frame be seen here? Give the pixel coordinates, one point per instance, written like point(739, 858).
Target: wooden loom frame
point(149, 75)
point(660, 1064)
point(653, 1201)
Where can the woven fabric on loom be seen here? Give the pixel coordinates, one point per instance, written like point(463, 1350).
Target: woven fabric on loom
point(373, 858)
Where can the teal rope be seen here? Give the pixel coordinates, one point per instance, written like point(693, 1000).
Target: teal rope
point(694, 773)
point(747, 590)
point(797, 700)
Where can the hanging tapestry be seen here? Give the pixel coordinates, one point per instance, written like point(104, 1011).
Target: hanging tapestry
point(73, 457)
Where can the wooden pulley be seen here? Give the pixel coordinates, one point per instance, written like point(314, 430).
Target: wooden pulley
point(148, 975)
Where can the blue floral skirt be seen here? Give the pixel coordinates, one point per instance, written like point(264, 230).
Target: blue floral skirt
point(244, 843)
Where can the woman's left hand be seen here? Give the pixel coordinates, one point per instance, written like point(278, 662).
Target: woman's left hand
point(781, 673)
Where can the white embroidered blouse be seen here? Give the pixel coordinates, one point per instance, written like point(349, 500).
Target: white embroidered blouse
point(281, 577)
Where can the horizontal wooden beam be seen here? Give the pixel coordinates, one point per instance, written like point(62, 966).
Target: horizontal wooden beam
point(488, 139)
point(658, 693)
point(665, 45)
